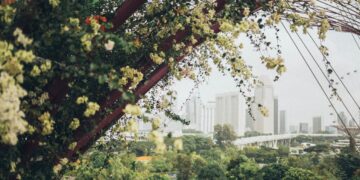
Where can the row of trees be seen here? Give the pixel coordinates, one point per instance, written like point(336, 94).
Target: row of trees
point(209, 161)
point(203, 158)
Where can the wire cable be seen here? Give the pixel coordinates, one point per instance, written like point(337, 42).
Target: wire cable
point(337, 75)
point(317, 80)
point(352, 35)
point(322, 72)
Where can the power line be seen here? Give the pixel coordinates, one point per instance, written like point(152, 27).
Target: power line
point(317, 64)
point(352, 35)
point(317, 80)
point(337, 75)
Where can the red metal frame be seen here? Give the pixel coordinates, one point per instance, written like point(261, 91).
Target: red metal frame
point(126, 9)
point(58, 88)
point(164, 46)
point(85, 141)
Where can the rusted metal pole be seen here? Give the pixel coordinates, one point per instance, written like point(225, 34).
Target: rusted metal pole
point(164, 46)
point(125, 10)
point(84, 142)
point(7, 2)
point(58, 88)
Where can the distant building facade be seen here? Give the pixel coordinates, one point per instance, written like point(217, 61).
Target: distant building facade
point(317, 123)
point(208, 118)
point(293, 129)
point(304, 128)
point(276, 115)
point(230, 109)
point(282, 122)
point(264, 95)
point(330, 129)
point(342, 119)
point(249, 124)
point(194, 112)
point(352, 124)
point(167, 126)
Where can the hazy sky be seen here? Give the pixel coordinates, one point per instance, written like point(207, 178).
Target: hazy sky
point(297, 90)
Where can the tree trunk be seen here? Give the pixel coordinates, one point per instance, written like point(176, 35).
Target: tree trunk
point(352, 144)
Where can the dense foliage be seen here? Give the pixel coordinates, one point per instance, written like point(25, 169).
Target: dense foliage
point(224, 135)
point(216, 162)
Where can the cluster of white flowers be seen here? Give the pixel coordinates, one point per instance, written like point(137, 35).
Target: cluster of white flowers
point(130, 75)
point(264, 111)
point(274, 63)
point(91, 109)
point(109, 45)
point(158, 139)
point(178, 144)
point(40, 100)
point(7, 13)
point(47, 123)
point(132, 126)
point(324, 27)
point(21, 38)
point(12, 120)
point(155, 124)
point(157, 58)
point(133, 110)
point(54, 3)
point(86, 41)
point(75, 123)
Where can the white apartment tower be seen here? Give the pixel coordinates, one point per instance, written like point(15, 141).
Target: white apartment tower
point(342, 119)
point(276, 115)
point(264, 95)
point(194, 112)
point(230, 109)
point(282, 122)
point(208, 118)
point(317, 127)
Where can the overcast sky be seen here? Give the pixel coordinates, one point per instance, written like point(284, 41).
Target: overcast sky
point(297, 90)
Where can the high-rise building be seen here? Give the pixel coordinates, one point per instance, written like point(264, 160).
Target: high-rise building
point(208, 118)
point(282, 122)
point(194, 112)
point(276, 115)
point(317, 124)
point(304, 128)
point(167, 125)
point(342, 119)
point(352, 123)
point(230, 109)
point(330, 129)
point(293, 129)
point(249, 124)
point(264, 96)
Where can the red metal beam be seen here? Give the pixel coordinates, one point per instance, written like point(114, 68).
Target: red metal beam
point(164, 46)
point(126, 9)
point(58, 88)
point(6, 2)
point(84, 141)
point(105, 123)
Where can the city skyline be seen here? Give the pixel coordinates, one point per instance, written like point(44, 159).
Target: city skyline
point(300, 103)
point(229, 108)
